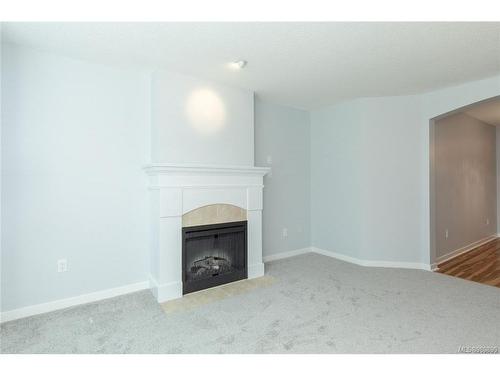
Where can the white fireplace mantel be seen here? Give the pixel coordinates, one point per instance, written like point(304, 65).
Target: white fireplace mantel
point(176, 189)
point(165, 168)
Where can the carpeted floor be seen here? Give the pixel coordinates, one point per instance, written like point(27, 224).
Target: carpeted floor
point(316, 305)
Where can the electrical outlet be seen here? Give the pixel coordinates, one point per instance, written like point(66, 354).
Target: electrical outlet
point(488, 221)
point(269, 160)
point(285, 232)
point(62, 265)
point(446, 234)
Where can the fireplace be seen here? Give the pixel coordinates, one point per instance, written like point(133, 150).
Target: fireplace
point(185, 196)
point(213, 254)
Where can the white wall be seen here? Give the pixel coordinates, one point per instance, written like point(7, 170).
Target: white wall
point(196, 121)
point(75, 136)
point(282, 133)
point(370, 172)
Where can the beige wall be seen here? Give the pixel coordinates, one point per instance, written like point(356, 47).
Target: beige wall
point(465, 182)
point(498, 178)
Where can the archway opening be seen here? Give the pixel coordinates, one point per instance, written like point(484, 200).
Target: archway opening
point(464, 188)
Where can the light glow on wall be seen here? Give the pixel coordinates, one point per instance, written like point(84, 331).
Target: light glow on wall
point(205, 110)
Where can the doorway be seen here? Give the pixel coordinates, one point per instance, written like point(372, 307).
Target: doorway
point(464, 170)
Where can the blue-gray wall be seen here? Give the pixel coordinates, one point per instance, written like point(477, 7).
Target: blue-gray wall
point(73, 146)
point(337, 207)
point(283, 134)
point(362, 186)
point(370, 173)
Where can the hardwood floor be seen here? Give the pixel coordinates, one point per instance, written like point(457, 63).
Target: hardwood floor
point(481, 264)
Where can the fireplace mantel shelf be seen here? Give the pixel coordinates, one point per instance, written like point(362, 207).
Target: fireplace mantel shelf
point(197, 169)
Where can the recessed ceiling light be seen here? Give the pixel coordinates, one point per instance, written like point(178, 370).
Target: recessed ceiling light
point(237, 65)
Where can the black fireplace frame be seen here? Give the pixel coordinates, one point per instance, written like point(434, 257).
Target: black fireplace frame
point(204, 230)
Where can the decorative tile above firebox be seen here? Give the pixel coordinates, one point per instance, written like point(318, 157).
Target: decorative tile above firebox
point(178, 189)
point(214, 214)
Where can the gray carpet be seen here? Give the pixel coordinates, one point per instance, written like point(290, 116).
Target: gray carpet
point(316, 305)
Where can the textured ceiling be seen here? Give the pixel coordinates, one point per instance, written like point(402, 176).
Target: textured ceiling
point(305, 65)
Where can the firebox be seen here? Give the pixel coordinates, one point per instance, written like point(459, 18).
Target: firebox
point(213, 254)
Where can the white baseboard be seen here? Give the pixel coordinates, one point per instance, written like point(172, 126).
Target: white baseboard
point(255, 270)
point(372, 263)
point(339, 256)
point(346, 258)
point(165, 292)
point(462, 250)
point(72, 301)
point(286, 254)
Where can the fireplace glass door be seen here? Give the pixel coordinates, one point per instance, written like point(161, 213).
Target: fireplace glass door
point(213, 255)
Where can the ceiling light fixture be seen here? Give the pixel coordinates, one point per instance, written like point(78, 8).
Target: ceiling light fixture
point(238, 65)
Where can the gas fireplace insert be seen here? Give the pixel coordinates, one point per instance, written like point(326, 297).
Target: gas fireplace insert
point(213, 254)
